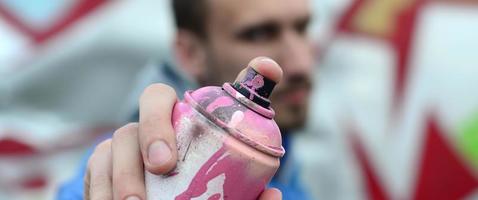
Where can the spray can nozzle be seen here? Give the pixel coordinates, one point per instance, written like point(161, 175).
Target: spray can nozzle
point(255, 87)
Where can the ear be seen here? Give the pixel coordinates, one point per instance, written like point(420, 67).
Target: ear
point(190, 53)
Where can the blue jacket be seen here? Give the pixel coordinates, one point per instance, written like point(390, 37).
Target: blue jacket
point(287, 178)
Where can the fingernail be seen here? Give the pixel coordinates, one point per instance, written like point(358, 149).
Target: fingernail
point(133, 198)
point(159, 153)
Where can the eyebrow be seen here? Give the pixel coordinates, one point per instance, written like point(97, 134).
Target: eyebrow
point(257, 25)
point(305, 19)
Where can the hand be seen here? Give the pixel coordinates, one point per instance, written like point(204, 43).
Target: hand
point(115, 170)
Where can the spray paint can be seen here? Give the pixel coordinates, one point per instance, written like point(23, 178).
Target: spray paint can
point(228, 143)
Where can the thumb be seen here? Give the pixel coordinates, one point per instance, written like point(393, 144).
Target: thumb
point(271, 194)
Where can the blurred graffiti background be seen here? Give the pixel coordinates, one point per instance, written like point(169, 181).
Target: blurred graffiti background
point(395, 112)
point(396, 99)
point(66, 70)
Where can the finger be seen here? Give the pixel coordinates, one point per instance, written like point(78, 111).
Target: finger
point(271, 194)
point(99, 173)
point(156, 135)
point(264, 66)
point(241, 75)
point(128, 176)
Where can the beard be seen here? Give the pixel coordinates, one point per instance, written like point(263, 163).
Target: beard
point(290, 100)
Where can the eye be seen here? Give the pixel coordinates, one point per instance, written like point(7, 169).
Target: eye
point(259, 33)
point(301, 26)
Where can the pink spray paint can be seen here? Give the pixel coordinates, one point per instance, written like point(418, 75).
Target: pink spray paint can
point(228, 143)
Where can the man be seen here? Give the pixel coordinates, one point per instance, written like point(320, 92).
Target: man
point(214, 40)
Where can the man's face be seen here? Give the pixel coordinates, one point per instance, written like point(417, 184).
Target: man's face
point(240, 30)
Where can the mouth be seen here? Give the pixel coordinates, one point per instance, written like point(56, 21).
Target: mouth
point(293, 91)
point(293, 95)
point(297, 96)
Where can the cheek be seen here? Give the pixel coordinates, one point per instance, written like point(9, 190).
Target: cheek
point(229, 59)
point(223, 66)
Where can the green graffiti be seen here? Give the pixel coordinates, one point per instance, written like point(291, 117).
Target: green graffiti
point(468, 140)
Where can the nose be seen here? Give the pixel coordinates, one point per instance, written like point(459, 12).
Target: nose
point(296, 54)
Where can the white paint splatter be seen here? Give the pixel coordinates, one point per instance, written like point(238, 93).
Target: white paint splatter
point(236, 119)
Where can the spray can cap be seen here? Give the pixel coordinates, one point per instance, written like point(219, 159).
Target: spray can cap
point(255, 86)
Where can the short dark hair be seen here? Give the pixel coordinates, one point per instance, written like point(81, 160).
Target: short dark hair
point(191, 15)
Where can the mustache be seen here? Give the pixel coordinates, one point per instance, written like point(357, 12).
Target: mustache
point(294, 82)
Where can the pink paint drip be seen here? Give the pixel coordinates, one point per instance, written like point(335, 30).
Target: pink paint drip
point(198, 185)
point(235, 175)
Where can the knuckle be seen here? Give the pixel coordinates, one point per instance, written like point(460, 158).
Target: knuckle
point(126, 182)
point(149, 130)
point(100, 181)
point(125, 130)
point(149, 125)
point(101, 148)
point(104, 146)
point(159, 88)
point(99, 186)
point(131, 126)
point(127, 174)
point(163, 88)
point(125, 177)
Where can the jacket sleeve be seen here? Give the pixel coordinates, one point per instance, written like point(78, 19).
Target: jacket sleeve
point(73, 188)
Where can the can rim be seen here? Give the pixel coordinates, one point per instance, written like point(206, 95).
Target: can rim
point(266, 112)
